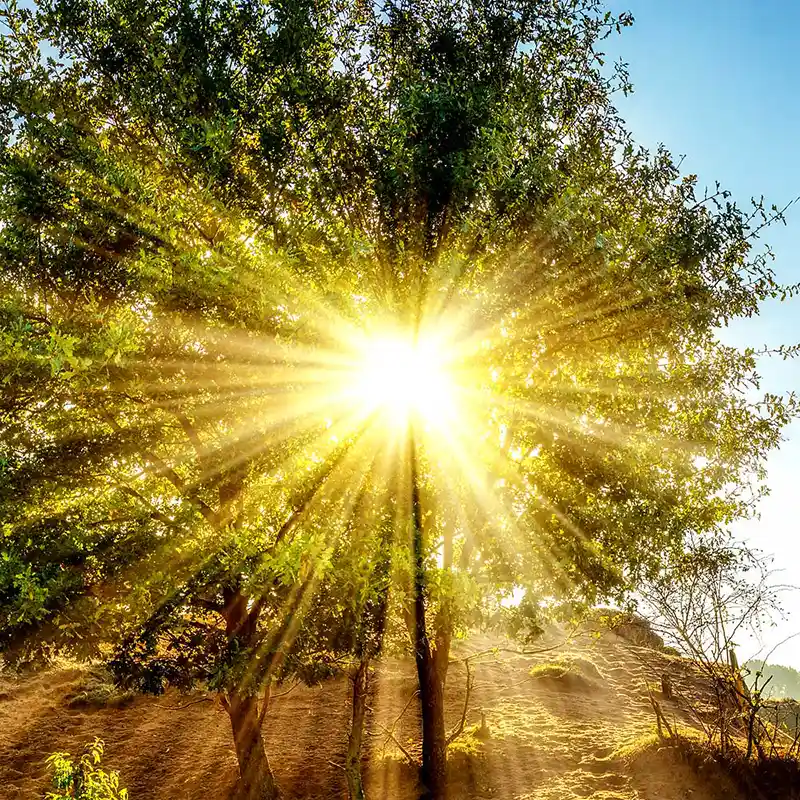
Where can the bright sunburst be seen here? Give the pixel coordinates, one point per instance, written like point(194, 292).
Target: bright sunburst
point(402, 378)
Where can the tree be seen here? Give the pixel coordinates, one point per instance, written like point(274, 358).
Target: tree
point(209, 208)
point(703, 600)
point(709, 596)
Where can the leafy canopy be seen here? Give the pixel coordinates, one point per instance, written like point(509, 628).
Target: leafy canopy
point(208, 210)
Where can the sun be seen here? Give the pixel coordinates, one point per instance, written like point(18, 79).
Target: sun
point(406, 380)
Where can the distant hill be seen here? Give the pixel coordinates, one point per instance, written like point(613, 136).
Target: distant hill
point(785, 680)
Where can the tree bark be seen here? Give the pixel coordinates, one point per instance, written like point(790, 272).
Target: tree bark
point(431, 666)
point(256, 781)
point(352, 768)
point(434, 738)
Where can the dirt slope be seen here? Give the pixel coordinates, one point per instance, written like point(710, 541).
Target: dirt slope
point(551, 736)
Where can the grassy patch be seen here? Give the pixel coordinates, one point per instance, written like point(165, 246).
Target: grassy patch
point(568, 673)
point(651, 742)
point(467, 744)
point(96, 689)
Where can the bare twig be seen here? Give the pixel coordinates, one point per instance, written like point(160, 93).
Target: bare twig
point(459, 729)
point(191, 703)
point(411, 760)
point(660, 718)
point(402, 713)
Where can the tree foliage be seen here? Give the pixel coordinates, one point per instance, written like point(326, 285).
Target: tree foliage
point(784, 682)
point(203, 205)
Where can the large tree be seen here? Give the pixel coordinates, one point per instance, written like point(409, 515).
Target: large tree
point(212, 212)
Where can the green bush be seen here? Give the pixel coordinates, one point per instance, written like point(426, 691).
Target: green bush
point(84, 779)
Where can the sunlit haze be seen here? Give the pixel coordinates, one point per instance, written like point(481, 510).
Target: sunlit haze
point(403, 378)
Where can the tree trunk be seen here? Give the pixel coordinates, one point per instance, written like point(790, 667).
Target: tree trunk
point(434, 738)
point(431, 668)
point(256, 781)
point(352, 767)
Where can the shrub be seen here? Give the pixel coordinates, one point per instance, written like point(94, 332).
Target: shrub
point(84, 779)
point(569, 673)
point(631, 627)
point(96, 689)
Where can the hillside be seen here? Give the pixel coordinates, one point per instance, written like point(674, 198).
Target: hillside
point(580, 732)
point(784, 682)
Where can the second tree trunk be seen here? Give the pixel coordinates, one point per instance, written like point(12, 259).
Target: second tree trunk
point(256, 781)
point(355, 786)
point(434, 738)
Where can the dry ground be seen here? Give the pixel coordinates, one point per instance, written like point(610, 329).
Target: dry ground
point(551, 738)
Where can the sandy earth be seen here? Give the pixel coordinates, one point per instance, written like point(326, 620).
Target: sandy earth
point(548, 739)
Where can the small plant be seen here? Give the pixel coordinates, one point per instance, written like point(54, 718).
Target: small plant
point(84, 779)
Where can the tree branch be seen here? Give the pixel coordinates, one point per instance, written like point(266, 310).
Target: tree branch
point(265, 702)
point(411, 760)
point(459, 729)
point(208, 605)
point(164, 470)
point(191, 434)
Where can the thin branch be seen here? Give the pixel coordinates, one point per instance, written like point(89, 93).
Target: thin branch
point(411, 760)
point(265, 702)
point(154, 512)
point(191, 703)
point(207, 605)
point(405, 708)
point(191, 434)
point(460, 727)
point(495, 650)
point(164, 470)
point(288, 691)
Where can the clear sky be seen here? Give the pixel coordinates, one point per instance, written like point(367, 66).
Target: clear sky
point(719, 82)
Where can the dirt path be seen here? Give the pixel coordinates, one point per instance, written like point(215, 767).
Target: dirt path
point(549, 739)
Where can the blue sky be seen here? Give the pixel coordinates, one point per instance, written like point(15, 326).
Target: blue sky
point(717, 81)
